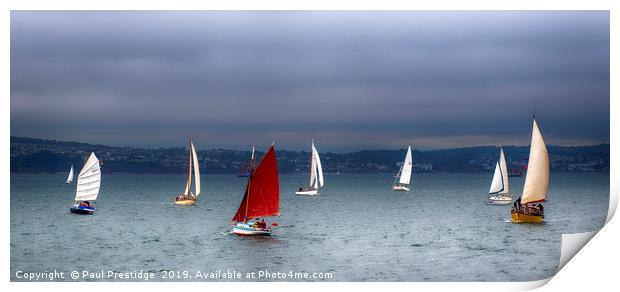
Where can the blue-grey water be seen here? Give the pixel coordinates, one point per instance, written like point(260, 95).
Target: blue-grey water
point(357, 229)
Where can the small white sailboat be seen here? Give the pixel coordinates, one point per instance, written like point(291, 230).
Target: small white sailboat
point(403, 178)
point(189, 198)
point(316, 175)
point(499, 193)
point(528, 208)
point(88, 184)
point(70, 177)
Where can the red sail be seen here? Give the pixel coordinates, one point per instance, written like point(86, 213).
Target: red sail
point(262, 194)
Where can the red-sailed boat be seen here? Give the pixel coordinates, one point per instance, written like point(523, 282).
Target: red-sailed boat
point(261, 198)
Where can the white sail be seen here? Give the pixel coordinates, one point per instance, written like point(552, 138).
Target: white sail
point(319, 169)
point(196, 170)
point(497, 185)
point(500, 176)
point(89, 180)
point(189, 171)
point(504, 169)
point(405, 174)
point(537, 177)
point(313, 181)
point(70, 177)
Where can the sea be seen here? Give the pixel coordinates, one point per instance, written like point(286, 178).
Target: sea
point(357, 229)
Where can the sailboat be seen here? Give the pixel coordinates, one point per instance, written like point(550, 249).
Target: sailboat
point(261, 197)
point(403, 178)
point(536, 184)
point(70, 177)
point(245, 171)
point(499, 193)
point(88, 184)
point(189, 198)
point(316, 175)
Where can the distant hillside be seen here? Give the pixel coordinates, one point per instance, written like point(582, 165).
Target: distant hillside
point(31, 155)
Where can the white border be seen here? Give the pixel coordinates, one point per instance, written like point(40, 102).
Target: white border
point(595, 266)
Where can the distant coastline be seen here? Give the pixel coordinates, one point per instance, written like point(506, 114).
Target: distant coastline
point(32, 155)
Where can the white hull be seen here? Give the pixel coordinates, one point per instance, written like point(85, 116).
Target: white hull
point(400, 188)
point(500, 200)
point(307, 193)
point(246, 229)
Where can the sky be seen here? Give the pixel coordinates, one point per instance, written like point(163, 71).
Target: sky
point(350, 80)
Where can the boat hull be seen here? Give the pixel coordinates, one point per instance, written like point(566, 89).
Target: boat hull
point(247, 230)
point(499, 200)
point(185, 202)
point(307, 193)
point(526, 218)
point(400, 188)
point(82, 210)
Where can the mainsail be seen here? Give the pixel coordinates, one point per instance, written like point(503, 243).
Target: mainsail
point(192, 161)
point(504, 168)
point(262, 193)
point(405, 173)
point(89, 180)
point(70, 177)
point(499, 185)
point(537, 177)
point(196, 170)
point(316, 170)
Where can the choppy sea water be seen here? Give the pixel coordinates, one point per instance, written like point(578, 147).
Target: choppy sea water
point(357, 229)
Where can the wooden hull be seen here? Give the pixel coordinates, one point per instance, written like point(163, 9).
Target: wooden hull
point(525, 218)
point(185, 202)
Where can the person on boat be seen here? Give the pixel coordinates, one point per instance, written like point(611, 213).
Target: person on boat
point(517, 205)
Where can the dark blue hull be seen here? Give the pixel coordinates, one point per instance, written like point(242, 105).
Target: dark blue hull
point(82, 211)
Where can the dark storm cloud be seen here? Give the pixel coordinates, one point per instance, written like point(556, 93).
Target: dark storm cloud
point(349, 79)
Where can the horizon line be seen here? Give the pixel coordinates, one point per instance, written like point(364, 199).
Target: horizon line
point(421, 149)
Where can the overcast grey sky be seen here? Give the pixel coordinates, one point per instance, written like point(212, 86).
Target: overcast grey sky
point(351, 80)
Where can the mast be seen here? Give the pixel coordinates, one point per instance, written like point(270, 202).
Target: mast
point(245, 218)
